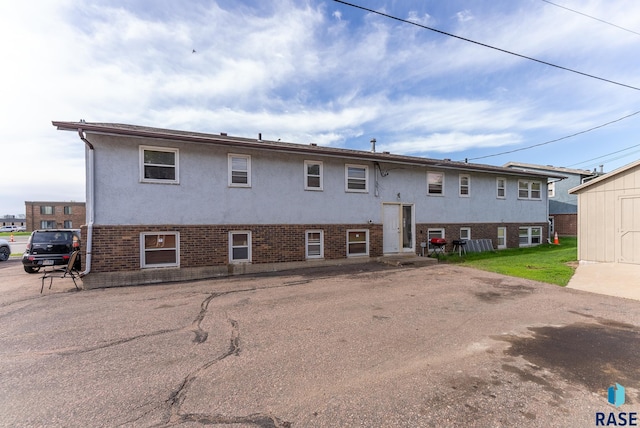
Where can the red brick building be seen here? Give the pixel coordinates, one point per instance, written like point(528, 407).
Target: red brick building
point(54, 215)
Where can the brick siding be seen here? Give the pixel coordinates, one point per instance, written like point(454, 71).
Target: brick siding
point(117, 248)
point(478, 231)
point(566, 224)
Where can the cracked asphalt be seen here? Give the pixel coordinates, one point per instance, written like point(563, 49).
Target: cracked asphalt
point(361, 345)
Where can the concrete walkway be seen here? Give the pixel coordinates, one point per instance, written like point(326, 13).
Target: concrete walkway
point(612, 279)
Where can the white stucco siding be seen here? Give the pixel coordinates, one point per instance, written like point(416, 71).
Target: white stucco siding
point(203, 196)
point(277, 194)
point(482, 204)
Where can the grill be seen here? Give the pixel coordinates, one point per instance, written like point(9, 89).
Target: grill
point(438, 245)
point(460, 246)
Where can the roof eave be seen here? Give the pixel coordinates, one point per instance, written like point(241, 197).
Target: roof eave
point(225, 140)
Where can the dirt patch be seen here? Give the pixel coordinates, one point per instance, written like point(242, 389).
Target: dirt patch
point(501, 292)
point(596, 355)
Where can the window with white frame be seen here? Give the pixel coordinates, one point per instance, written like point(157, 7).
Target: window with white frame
point(314, 244)
point(529, 236)
point(240, 246)
point(465, 183)
point(312, 175)
point(528, 189)
point(356, 178)
point(357, 243)
point(552, 225)
point(434, 233)
point(435, 183)
point(502, 237)
point(158, 165)
point(465, 233)
point(535, 190)
point(551, 188)
point(159, 249)
point(501, 188)
point(239, 169)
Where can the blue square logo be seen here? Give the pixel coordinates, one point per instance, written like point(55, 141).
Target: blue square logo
point(616, 395)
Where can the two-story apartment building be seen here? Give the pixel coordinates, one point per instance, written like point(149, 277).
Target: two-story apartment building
point(563, 206)
point(172, 205)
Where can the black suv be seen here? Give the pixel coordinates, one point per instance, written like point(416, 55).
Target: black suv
point(50, 247)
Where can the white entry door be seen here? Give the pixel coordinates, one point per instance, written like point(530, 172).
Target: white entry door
point(391, 228)
point(398, 228)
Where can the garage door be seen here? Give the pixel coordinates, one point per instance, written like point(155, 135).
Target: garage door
point(630, 230)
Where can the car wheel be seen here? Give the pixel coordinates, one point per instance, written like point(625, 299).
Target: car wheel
point(5, 252)
point(29, 269)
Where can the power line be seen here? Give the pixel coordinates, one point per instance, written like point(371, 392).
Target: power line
point(558, 139)
point(604, 156)
point(601, 163)
point(485, 45)
point(592, 17)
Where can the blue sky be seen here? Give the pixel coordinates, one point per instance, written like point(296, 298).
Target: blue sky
point(318, 71)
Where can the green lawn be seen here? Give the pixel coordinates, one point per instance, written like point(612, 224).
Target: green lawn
point(547, 263)
point(7, 235)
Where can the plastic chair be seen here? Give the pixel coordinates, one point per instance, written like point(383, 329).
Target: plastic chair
point(68, 271)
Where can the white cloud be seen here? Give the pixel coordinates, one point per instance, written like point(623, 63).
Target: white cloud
point(307, 72)
point(464, 16)
point(415, 16)
point(449, 142)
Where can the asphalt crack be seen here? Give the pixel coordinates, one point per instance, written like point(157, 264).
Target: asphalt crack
point(258, 419)
point(77, 351)
point(201, 335)
point(178, 396)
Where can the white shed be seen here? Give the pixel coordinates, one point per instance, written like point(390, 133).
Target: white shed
point(609, 216)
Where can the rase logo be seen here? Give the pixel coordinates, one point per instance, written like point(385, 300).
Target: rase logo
point(615, 396)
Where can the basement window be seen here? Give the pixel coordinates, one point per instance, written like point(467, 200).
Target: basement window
point(530, 236)
point(357, 243)
point(240, 247)
point(314, 244)
point(159, 249)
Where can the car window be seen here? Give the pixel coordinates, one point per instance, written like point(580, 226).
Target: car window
point(44, 237)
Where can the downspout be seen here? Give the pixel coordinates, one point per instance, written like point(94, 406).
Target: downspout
point(90, 202)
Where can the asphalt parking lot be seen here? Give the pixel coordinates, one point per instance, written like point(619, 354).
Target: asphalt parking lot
point(362, 345)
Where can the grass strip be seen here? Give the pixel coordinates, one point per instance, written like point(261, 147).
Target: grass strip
point(554, 264)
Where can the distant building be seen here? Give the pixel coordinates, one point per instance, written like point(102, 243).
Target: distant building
point(12, 220)
point(54, 215)
point(563, 207)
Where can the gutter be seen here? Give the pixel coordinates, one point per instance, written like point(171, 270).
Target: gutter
point(90, 202)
